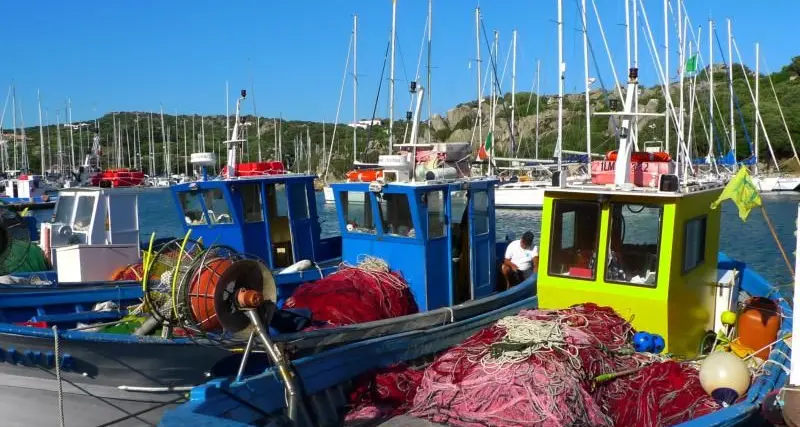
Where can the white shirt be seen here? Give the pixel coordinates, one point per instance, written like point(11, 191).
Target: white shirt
point(522, 258)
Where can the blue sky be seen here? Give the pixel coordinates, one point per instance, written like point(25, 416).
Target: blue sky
point(122, 56)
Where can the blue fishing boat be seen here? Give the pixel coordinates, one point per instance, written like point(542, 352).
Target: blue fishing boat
point(645, 246)
point(82, 347)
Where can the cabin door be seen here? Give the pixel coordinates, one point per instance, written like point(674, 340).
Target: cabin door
point(480, 239)
point(254, 228)
point(300, 221)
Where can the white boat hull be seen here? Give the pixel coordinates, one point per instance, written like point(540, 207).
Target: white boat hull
point(520, 195)
point(767, 184)
point(328, 191)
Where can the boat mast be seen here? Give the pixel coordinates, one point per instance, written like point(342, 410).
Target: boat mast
point(151, 146)
point(71, 137)
point(59, 145)
point(513, 84)
point(391, 76)
point(635, 32)
point(730, 88)
point(493, 61)
point(561, 70)
point(758, 115)
point(355, 84)
point(41, 132)
point(166, 143)
point(682, 64)
point(227, 113)
point(430, 35)
point(666, 74)
point(538, 82)
point(14, 124)
point(203, 132)
point(586, 83)
point(24, 149)
point(49, 154)
point(186, 151)
point(275, 131)
point(235, 142)
point(116, 141)
point(710, 90)
point(480, 86)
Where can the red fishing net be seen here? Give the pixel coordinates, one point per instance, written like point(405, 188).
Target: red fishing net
point(354, 295)
point(383, 394)
point(662, 394)
point(539, 368)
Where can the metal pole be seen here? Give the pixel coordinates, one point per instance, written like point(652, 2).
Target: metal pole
point(586, 82)
point(391, 77)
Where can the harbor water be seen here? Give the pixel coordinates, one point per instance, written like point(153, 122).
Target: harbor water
point(750, 242)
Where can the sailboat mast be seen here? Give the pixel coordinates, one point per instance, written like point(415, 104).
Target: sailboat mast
point(493, 61)
point(666, 74)
point(430, 36)
point(355, 84)
point(681, 137)
point(71, 137)
point(49, 154)
point(478, 60)
point(59, 144)
point(758, 115)
point(391, 76)
point(151, 146)
point(116, 141)
point(730, 88)
point(513, 83)
point(14, 123)
point(710, 89)
point(275, 130)
point(203, 132)
point(186, 151)
point(538, 69)
point(560, 82)
point(166, 144)
point(227, 113)
point(587, 83)
point(41, 133)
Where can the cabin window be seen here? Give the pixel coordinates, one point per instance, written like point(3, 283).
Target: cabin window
point(694, 243)
point(192, 208)
point(480, 212)
point(396, 215)
point(64, 211)
point(436, 214)
point(251, 203)
point(574, 239)
point(83, 213)
point(298, 201)
point(217, 206)
point(633, 244)
point(357, 211)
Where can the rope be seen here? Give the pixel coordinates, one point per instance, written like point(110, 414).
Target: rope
point(524, 337)
point(777, 241)
point(58, 377)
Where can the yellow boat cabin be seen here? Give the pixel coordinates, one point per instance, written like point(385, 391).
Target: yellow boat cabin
point(649, 254)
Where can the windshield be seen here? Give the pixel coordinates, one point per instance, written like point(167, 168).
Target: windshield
point(64, 209)
point(217, 206)
point(83, 214)
point(191, 207)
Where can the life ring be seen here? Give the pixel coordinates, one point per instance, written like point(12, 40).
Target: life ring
point(642, 156)
point(364, 175)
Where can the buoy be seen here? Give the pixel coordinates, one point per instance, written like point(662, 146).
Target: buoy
point(643, 342)
point(724, 376)
point(728, 318)
point(658, 344)
point(298, 266)
point(758, 325)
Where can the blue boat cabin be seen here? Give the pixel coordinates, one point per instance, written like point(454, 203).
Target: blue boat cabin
point(272, 217)
point(439, 235)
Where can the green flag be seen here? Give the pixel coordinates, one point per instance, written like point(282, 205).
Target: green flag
point(488, 144)
point(691, 64)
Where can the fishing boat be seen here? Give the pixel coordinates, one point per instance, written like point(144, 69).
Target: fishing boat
point(247, 237)
point(645, 247)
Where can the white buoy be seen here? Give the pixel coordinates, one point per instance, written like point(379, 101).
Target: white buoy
point(724, 376)
point(298, 266)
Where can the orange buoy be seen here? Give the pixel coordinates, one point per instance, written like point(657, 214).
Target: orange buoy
point(758, 325)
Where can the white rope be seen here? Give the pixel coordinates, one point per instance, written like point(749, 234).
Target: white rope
point(536, 335)
point(58, 377)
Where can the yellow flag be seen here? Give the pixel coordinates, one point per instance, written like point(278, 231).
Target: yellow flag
point(741, 191)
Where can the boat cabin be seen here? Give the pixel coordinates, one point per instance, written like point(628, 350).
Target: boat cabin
point(649, 254)
point(273, 217)
point(440, 235)
point(26, 188)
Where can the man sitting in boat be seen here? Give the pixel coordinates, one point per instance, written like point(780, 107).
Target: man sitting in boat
point(521, 260)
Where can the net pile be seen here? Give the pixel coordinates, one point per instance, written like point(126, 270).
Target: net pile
point(355, 295)
point(538, 368)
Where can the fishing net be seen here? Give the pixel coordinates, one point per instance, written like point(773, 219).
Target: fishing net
point(359, 294)
point(541, 368)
